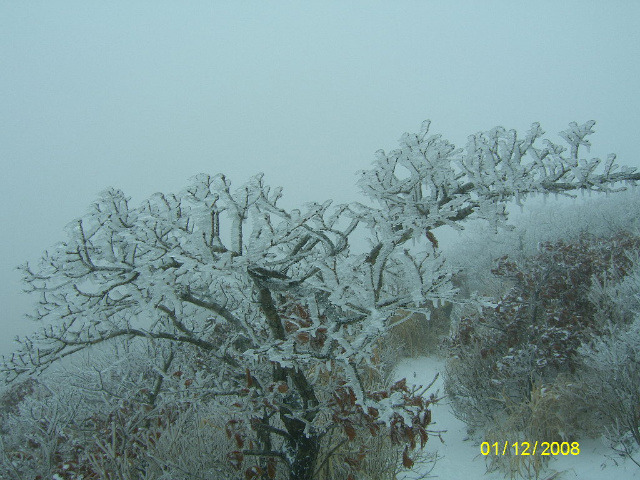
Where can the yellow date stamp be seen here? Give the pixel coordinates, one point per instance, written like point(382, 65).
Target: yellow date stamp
point(530, 448)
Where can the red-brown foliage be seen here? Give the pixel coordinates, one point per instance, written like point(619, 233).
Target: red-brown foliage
point(535, 329)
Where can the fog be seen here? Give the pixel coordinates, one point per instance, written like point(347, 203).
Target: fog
point(143, 95)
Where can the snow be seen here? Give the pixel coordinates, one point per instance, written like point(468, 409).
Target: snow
point(460, 457)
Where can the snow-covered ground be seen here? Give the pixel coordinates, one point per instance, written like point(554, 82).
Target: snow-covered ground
point(460, 457)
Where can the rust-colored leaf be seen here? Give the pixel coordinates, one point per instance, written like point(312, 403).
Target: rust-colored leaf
point(427, 418)
point(290, 326)
point(319, 339)
point(283, 388)
point(253, 472)
point(432, 238)
point(235, 459)
point(271, 468)
point(350, 431)
point(412, 437)
point(352, 462)
point(400, 385)
point(352, 396)
point(424, 436)
point(228, 428)
point(406, 461)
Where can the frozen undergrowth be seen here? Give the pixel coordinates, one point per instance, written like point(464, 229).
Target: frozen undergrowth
point(460, 457)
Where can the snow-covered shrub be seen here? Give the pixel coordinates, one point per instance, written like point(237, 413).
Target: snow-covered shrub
point(16, 393)
point(474, 250)
point(611, 372)
point(182, 444)
point(533, 333)
point(114, 429)
point(123, 414)
point(604, 395)
point(610, 364)
point(38, 439)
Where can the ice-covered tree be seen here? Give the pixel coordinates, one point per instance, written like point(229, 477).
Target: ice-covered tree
point(282, 314)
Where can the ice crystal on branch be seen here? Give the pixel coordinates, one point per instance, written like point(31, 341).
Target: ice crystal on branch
point(428, 182)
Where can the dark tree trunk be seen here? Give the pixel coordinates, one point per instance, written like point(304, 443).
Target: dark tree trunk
point(305, 454)
point(303, 450)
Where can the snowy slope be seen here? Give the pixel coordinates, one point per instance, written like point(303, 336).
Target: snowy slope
point(461, 458)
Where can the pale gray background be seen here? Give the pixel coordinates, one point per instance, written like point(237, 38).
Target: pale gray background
point(143, 95)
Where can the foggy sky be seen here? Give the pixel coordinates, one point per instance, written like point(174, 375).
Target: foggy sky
point(143, 95)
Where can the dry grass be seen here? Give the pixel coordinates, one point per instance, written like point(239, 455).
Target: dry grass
point(549, 415)
point(418, 335)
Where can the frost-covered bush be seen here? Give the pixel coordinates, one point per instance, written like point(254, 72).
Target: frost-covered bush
point(38, 439)
point(533, 332)
point(610, 364)
point(60, 436)
point(122, 414)
point(611, 370)
point(474, 250)
point(96, 420)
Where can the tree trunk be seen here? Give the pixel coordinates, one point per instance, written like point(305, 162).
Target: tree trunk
point(303, 450)
point(305, 454)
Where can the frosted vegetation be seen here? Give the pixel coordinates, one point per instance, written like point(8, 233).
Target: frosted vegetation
point(216, 333)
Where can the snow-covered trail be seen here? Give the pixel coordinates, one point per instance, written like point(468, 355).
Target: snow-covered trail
point(460, 457)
